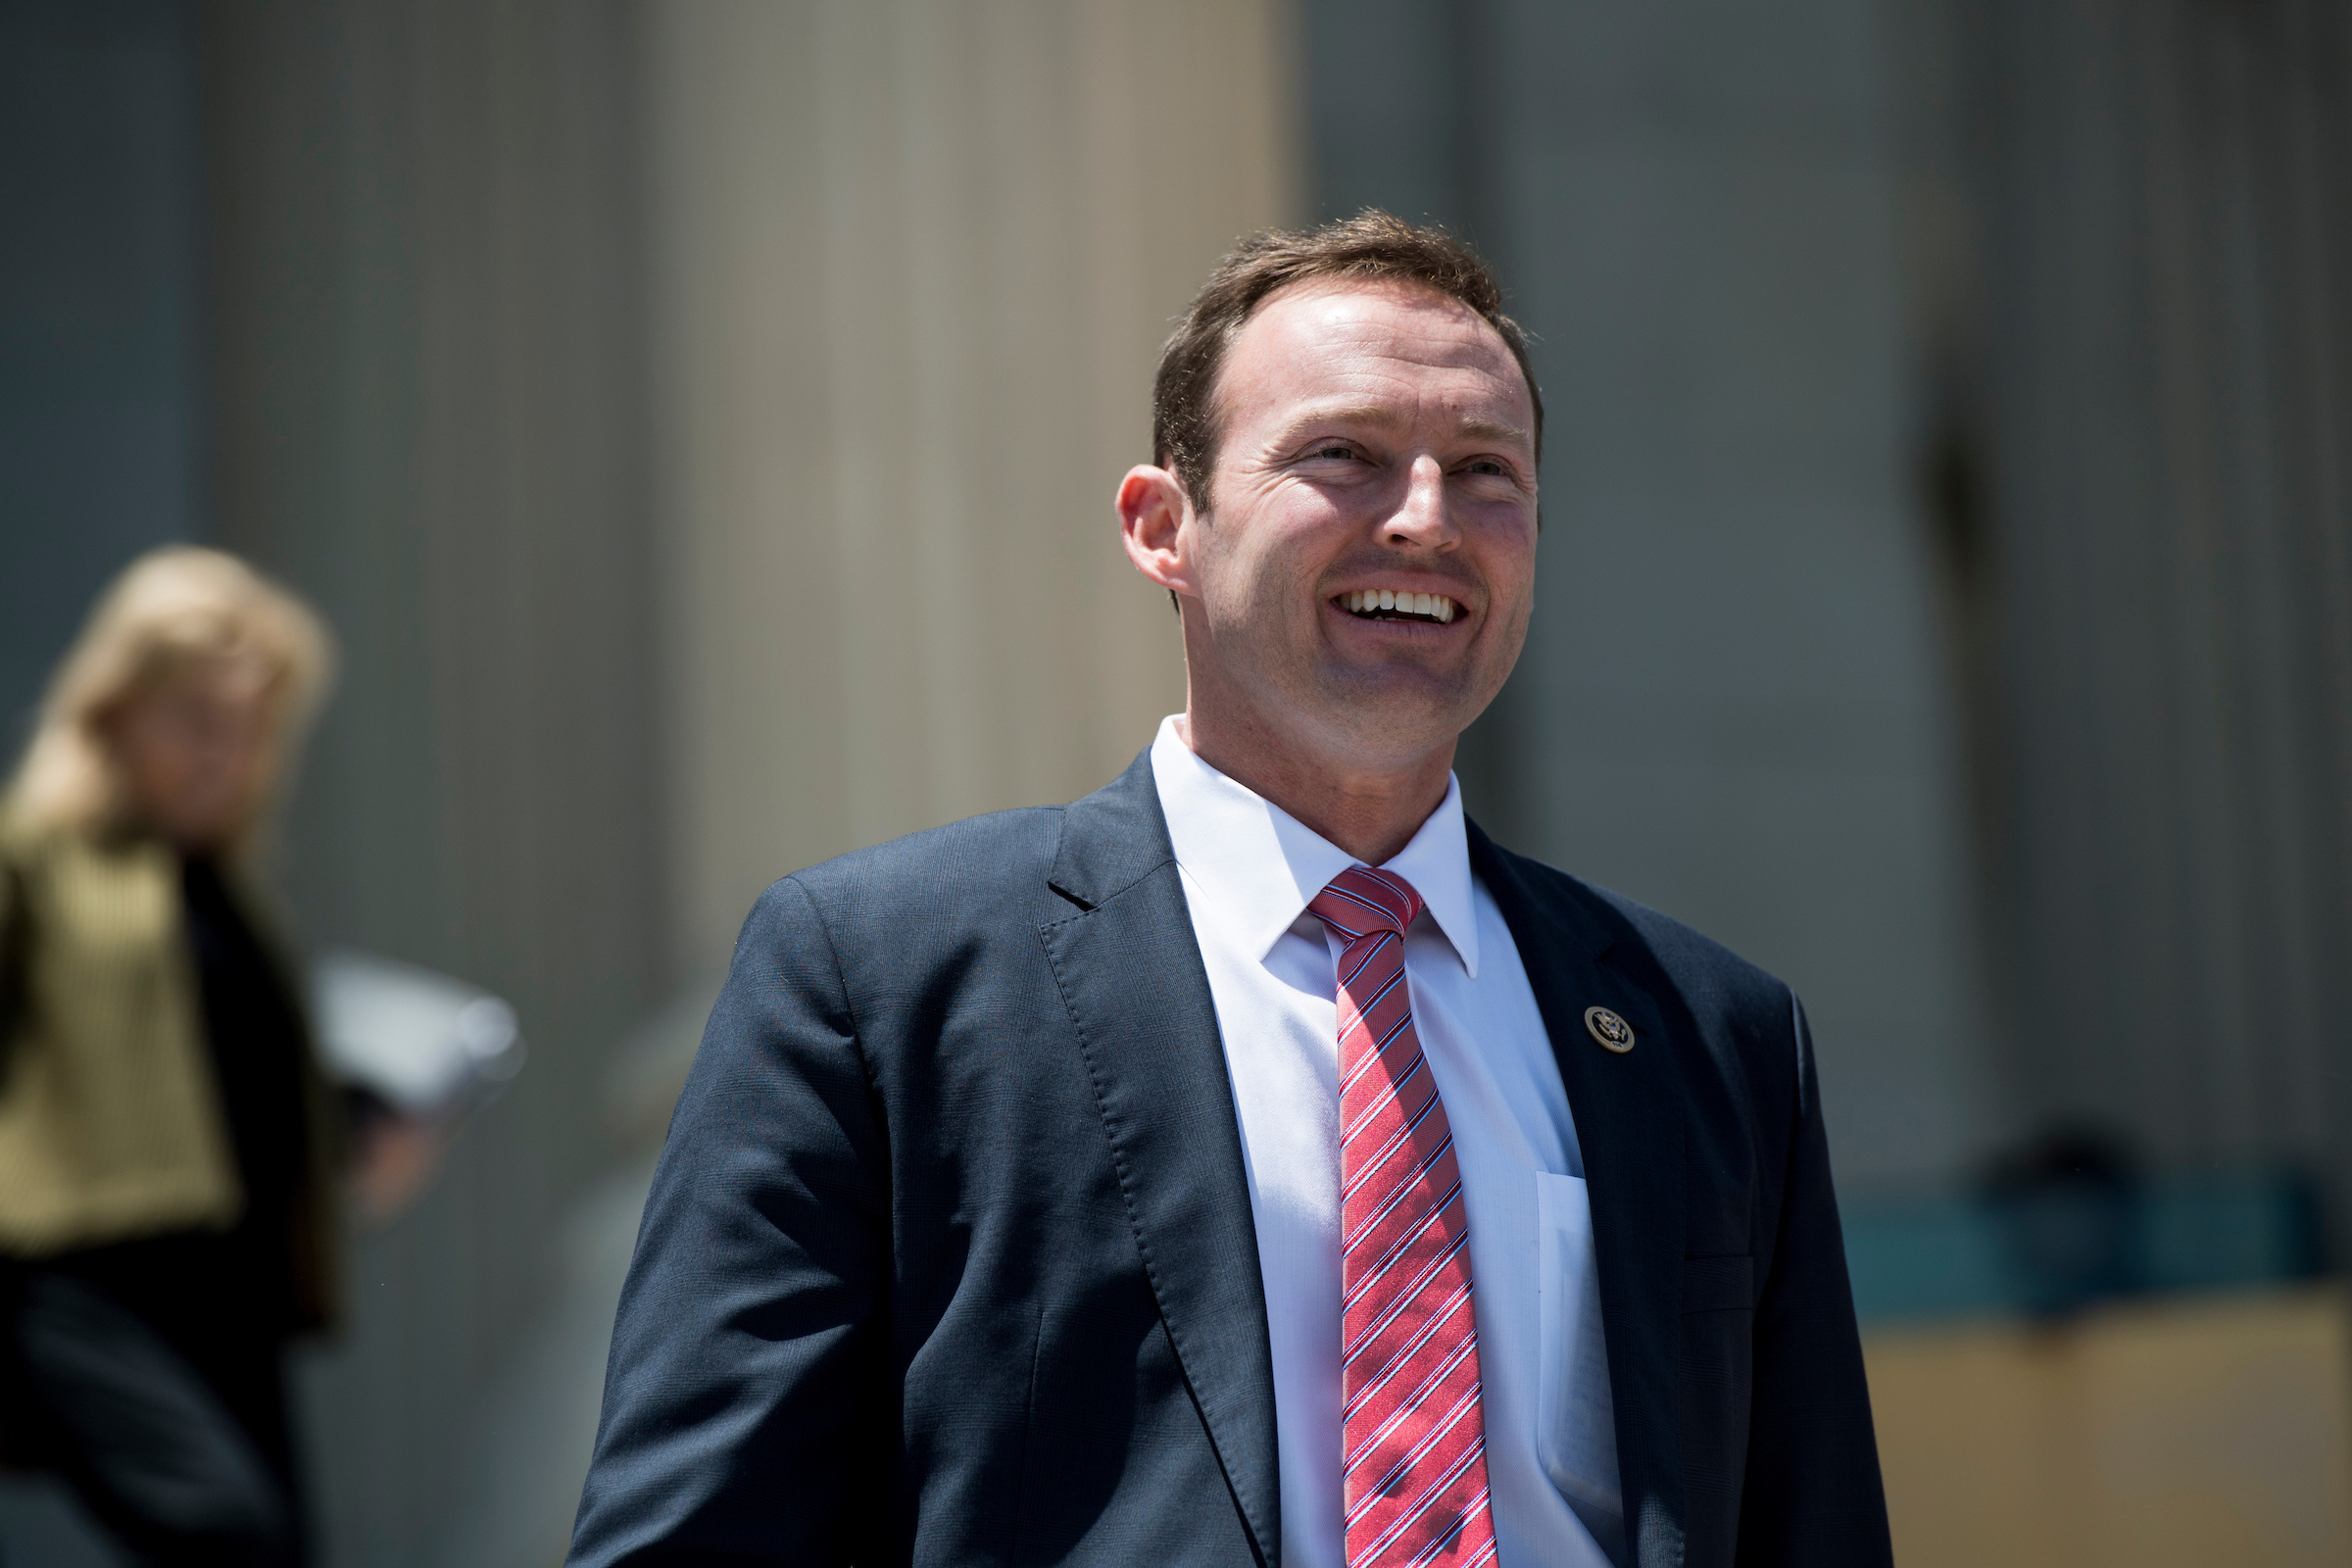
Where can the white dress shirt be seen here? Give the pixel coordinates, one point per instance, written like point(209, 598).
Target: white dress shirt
point(1248, 870)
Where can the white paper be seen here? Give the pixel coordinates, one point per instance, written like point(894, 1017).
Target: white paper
point(428, 1045)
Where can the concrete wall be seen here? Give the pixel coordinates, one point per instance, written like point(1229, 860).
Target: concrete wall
point(2172, 1434)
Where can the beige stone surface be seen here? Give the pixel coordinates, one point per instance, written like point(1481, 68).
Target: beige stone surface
point(2212, 1430)
point(912, 266)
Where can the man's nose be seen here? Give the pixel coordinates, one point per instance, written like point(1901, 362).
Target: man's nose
point(1422, 517)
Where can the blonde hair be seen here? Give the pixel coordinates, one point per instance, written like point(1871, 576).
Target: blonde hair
point(170, 609)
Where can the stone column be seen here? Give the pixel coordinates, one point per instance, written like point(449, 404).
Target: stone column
point(912, 266)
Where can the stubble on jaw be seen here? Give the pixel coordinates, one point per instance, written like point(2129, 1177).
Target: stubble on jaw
point(1385, 711)
point(1401, 716)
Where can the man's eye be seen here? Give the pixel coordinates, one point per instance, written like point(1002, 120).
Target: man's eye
point(1332, 450)
point(1488, 466)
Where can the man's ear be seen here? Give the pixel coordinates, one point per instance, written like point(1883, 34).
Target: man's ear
point(1152, 515)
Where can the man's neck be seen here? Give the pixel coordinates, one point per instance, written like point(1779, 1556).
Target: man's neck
point(1371, 813)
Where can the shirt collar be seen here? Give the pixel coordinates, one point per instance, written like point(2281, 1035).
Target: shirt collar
point(1262, 865)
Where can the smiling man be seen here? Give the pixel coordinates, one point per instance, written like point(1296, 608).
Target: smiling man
point(1252, 1162)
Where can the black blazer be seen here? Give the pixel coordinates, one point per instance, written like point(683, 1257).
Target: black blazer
point(948, 1258)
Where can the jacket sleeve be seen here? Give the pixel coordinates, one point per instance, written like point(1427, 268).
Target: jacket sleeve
point(1812, 1496)
point(745, 1384)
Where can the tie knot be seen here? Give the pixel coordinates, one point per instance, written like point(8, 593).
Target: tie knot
point(1360, 900)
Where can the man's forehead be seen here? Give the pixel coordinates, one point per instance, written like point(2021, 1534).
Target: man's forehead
point(1335, 348)
point(1343, 310)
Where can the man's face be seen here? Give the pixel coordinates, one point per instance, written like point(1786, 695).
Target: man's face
point(1376, 447)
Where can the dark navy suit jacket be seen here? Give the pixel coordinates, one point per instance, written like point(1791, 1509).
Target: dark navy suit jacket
point(948, 1258)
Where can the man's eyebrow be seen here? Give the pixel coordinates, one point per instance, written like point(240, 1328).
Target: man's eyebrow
point(1386, 414)
point(1494, 430)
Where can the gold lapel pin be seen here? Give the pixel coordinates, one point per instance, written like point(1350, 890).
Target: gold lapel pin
point(1612, 1032)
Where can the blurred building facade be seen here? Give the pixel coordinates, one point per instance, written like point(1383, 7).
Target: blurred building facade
point(1949, 598)
point(699, 416)
point(2150, 526)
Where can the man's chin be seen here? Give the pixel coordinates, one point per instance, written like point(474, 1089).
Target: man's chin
point(1390, 726)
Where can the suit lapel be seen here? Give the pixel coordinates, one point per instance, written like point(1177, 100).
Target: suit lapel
point(1628, 1112)
point(1131, 975)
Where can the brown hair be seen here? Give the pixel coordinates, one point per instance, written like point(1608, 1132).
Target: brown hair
point(1372, 247)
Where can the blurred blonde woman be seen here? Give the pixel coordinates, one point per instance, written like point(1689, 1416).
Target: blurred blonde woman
point(166, 1142)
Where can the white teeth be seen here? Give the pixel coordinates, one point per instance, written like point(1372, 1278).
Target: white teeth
point(1364, 601)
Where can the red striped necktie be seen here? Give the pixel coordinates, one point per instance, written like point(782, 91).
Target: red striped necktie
point(1413, 1434)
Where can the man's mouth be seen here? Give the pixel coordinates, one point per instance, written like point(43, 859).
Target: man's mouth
point(1383, 603)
